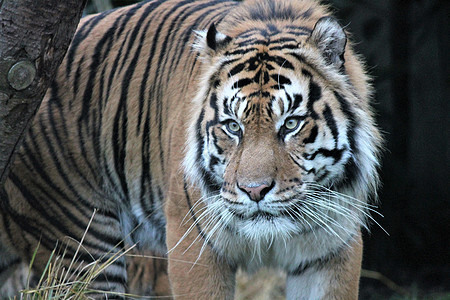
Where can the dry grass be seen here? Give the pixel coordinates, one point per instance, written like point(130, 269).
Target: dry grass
point(73, 282)
point(59, 281)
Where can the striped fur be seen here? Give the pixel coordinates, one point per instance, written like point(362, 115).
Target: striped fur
point(137, 126)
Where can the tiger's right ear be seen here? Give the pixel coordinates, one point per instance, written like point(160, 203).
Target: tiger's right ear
point(331, 39)
point(210, 41)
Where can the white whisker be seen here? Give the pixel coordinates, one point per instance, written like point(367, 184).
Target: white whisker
point(189, 230)
point(217, 225)
point(342, 200)
point(197, 203)
point(347, 213)
point(328, 228)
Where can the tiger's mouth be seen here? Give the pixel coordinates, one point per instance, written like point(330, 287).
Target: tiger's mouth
point(288, 208)
point(259, 214)
point(283, 222)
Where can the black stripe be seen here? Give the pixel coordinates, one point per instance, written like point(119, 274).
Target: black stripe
point(4, 267)
point(248, 33)
point(118, 142)
point(302, 60)
point(80, 204)
point(336, 154)
point(240, 51)
point(351, 170)
point(142, 97)
point(215, 120)
point(297, 163)
point(97, 58)
point(331, 123)
point(113, 73)
point(132, 11)
point(236, 69)
point(199, 136)
point(79, 37)
point(4, 204)
point(226, 106)
point(298, 98)
point(322, 262)
point(287, 46)
point(283, 40)
point(76, 79)
point(306, 73)
point(315, 93)
point(207, 177)
point(242, 83)
point(146, 176)
point(194, 218)
point(322, 176)
point(136, 27)
point(280, 79)
point(274, 11)
point(105, 281)
point(312, 136)
point(297, 28)
point(269, 110)
point(282, 62)
point(289, 99)
point(351, 126)
point(214, 160)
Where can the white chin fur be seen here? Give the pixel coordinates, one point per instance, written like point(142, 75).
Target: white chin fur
point(263, 229)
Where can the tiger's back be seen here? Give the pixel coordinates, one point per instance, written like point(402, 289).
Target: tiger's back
point(110, 134)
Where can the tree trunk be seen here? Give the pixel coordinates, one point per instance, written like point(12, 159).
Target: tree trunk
point(34, 37)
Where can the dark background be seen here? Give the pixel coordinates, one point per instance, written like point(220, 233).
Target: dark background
point(406, 46)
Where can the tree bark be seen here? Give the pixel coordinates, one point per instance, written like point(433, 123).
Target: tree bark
point(34, 37)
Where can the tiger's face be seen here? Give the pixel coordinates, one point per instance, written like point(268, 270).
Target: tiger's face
point(275, 134)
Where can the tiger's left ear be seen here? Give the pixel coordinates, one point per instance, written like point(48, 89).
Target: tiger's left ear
point(215, 39)
point(211, 40)
point(330, 38)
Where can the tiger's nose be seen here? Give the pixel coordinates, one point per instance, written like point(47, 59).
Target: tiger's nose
point(256, 191)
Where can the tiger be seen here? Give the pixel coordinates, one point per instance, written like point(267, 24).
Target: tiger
point(221, 135)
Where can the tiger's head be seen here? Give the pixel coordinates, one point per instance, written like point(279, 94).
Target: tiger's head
point(282, 139)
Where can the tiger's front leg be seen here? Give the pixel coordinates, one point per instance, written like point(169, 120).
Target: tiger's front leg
point(193, 273)
point(336, 278)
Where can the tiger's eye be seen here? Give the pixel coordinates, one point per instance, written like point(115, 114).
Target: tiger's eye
point(291, 123)
point(233, 126)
